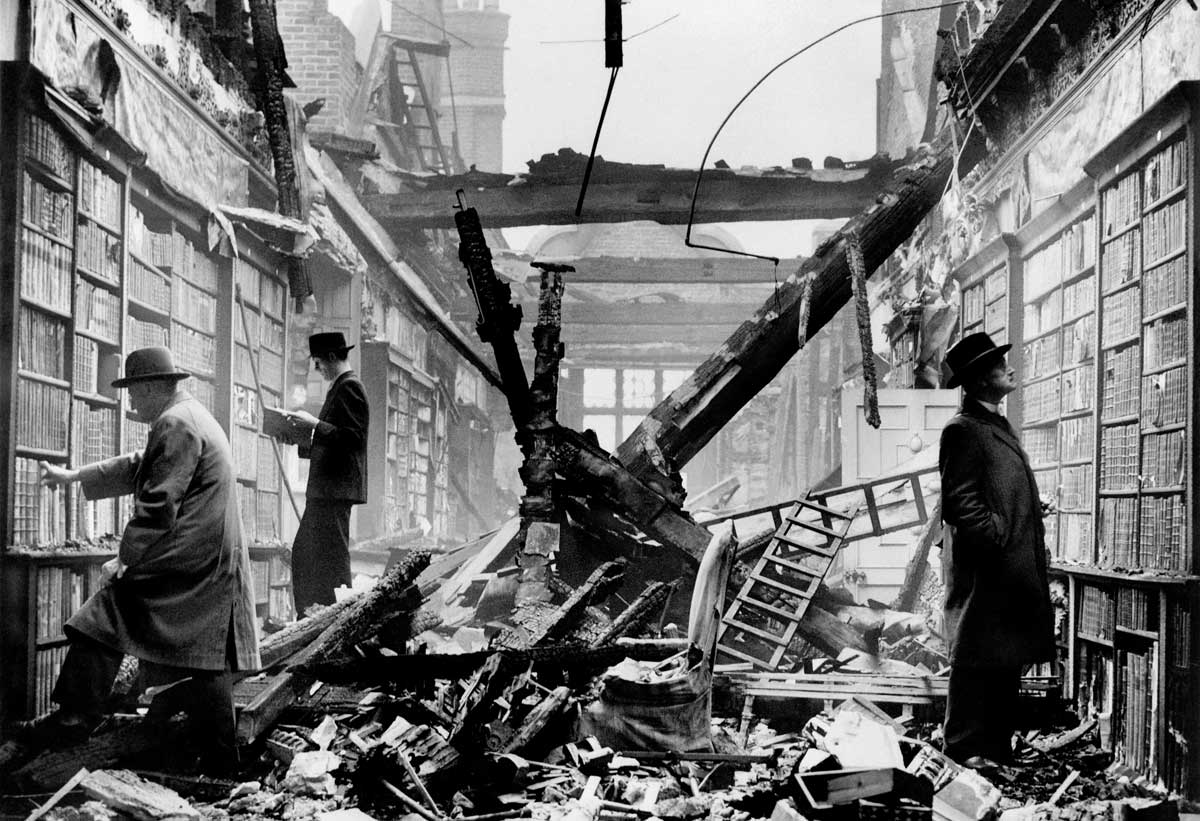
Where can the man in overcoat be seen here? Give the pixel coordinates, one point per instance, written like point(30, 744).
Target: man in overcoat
point(337, 475)
point(179, 594)
point(998, 612)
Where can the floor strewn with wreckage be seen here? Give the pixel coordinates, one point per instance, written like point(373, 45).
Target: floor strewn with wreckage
point(585, 708)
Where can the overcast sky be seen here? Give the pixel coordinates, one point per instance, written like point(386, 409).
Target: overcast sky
point(681, 79)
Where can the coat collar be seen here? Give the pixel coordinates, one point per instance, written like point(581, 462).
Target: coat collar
point(999, 425)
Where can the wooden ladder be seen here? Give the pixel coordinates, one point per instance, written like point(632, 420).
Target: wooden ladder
point(417, 115)
point(761, 623)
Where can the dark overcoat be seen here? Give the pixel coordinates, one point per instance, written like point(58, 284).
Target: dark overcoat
point(338, 471)
point(187, 592)
point(998, 610)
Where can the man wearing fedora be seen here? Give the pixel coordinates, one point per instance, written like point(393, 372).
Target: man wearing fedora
point(179, 595)
point(337, 475)
point(998, 612)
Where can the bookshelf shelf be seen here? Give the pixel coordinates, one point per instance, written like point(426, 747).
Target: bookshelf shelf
point(41, 453)
point(1085, 460)
point(1121, 342)
point(1165, 428)
point(177, 321)
point(1165, 490)
point(44, 174)
point(1167, 257)
point(1117, 233)
point(1148, 635)
point(58, 641)
point(96, 399)
point(1121, 286)
point(1095, 639)
point(1076, 276)
point(1164, 199)
point(157, 314)
point(38, 377)
point(1165, 312)
point(95, 337)
point(1166, 366)
point(42, 232)
point(1119, 420)
point(99, 279)
point(1119, 493)
point(1076, 414)
point(138, 256)
point(99, 223)
point(1042, 335)
point(43, 306)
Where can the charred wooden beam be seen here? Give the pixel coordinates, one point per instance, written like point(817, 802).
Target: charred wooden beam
point(721, 386)
point(641, 610)
point(540, 517)
point(539, 717)
point(553, 624)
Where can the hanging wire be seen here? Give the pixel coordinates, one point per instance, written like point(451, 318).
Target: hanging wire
point(587, 172)
point(704, 162)
point(438, 26)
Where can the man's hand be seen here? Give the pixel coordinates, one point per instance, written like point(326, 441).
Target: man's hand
point(111, 569)
point(55, 476)
point(1049, 506)
point(303, 419)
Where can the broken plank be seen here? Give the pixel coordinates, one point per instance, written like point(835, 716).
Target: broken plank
point(144, 800)
point(61, 793)
point(51, 769)
point(538, 718)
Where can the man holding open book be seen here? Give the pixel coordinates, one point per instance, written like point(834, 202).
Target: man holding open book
point(336, 443)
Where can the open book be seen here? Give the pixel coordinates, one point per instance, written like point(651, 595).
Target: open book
point(277, 423)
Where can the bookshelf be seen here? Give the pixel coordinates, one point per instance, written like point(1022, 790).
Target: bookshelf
point(1058, 378)
point(385, 373)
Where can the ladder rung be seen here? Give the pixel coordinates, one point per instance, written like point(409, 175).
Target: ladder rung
point(816, 528)
point(773, 638)
point(780, 585)
point(772, 609)
point(755, 660)
point(828, 511)
point(824, 549)
point(792, 566)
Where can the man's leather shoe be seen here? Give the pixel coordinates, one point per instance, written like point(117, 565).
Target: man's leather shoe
point(60, 728)
point(979, 762)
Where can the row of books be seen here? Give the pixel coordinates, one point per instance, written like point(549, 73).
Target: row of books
point(995, 284)
point(245, 406)
point(100, 195)
point(87, 365)
point(1075, 537)
point(204, 391)
point(1166, 340)
point(42, 412)
point(1078, 388)
point(260, 515)
point(194, 352)
point(1137, 608)
point(1121, 315)
point(43, 143)
point(1040, 357)
point(195, 307)
point(192, 264)
point(135, 433)
point(1121, 205)
point(1121, 260)
point(1042, 400)
point(1163, 463)
point(47, 663)
point(98, 252)
point(1163, 231)
point(45, 271)
point(1069, 253)
point(39, 513)
point(972, 305)
point(93, 434)
point(1043, 314)
point(1096, 612)
point(1137, 708)
point(92, 519)
point(1164, 541)
point(97, 311)
point(48, 208)
point(1079, 340)
point(260, 571)
point(1179, 636)
point(1078, 438)
point(148, 286)
point(1079, 298)
point(1119, 457)
point(995, 316)
point(272, 335)
point(1075, 487)
point(268, 468)
point(270, 369)
point(243, 366)
point(140, 333)
point(1165, 286)
point(1164, 398)
point(1119, 395)
point(62, 590)
point(41, 343)
point(245, 452)
point(156, 247)
point(1165, 171)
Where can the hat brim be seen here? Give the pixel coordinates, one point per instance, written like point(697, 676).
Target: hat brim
point(957, 376)
point(346, 349)
point(126, 381)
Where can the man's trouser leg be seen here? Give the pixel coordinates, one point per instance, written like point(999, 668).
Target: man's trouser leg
point(206, 696)
point(981, 709)
point(320, 553)
point(86, 677)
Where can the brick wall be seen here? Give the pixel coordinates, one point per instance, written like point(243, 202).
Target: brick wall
point(320, 52)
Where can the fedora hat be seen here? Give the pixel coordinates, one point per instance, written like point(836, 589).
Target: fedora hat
point(971, 353)
point(327, 342)
point(149, 363)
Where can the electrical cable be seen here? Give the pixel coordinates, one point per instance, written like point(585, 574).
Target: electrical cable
point(687, 239)
point(587, 172)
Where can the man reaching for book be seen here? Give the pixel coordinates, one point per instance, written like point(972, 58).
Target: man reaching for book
point(178, 596)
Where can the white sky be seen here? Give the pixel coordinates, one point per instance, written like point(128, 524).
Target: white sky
point(681, 79)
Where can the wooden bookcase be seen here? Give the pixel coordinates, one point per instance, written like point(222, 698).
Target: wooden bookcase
point(101, 261)
point(386, 378)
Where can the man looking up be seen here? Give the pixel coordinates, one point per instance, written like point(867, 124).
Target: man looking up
point(337, 475)
point(179, 594)
point(998, 612)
